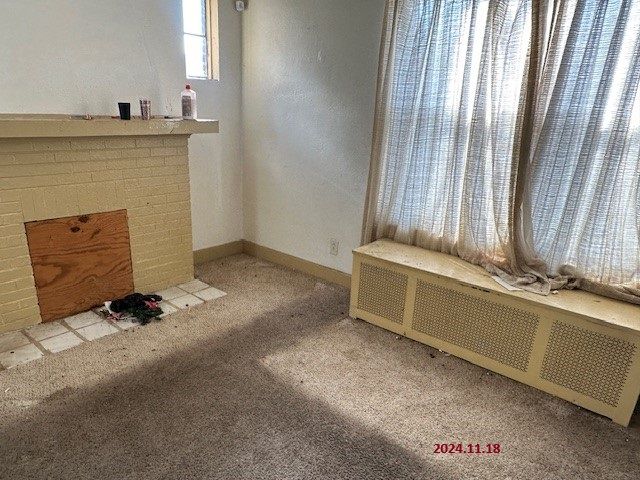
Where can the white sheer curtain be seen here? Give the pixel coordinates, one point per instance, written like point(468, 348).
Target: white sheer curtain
point(451, 86)
point(508, 133)
point(582, 199)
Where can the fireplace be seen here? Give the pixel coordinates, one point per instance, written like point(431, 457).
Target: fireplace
point(60, 168)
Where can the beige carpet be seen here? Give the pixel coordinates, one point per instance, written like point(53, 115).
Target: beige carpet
point(274, 381)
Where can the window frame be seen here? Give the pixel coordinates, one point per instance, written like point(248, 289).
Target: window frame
point(211, 37)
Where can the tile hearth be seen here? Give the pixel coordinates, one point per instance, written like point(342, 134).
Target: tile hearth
point(30, 344)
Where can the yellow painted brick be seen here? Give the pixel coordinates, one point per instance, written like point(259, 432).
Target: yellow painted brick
point(88, 143)
point(139, 212)
point(105, 154)
point(180, 179)
point(150, 162)
point(176, 160)
point(167, 170)
point(9, 196)
point(152, 182)
point(149, 141)
point(177, 215)
point(11, 207)
point(34, 181)
point(14, 261)
point(17, 295)
point(49, 202)
point(136, 153)
point(7, 159)
point(139, 221)
point(13, 241)
point(11, 230)
point(176, 207)
point(33, 158)
point(106, 175)
point(178, 197)
point(121, 163)
point(182, 151)
point(10, 145)
point(11, 218)
point(51, 168)
point(92, 166)
point(176, 140)
point(20, 313)
point(121, 142)
point(20, 324)
point(15, 273)
point(163, 151)
point(72, 156)
point(51, 144)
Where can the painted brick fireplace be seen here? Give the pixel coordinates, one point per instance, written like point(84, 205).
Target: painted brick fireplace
point(47, 178)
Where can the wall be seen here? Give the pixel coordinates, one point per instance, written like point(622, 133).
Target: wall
point(79, 56)
point(309, 76)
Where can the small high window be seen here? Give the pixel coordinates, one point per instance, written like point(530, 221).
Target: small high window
point(200, 28)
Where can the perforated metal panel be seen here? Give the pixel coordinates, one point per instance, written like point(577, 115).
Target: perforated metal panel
point(587, 362)
point(496, 331)
point(382, 292)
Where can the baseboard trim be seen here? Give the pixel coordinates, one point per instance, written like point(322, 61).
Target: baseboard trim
point(305, 266)
point(274, 256)
point(220, 251)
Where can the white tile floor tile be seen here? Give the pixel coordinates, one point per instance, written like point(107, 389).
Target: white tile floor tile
point(20, 355)
point(210, 293)
point(170, 293)
point(61, 342)
point(167, 309)
point(126, 323)
point(11, 340)
point(46, 330)
point(186, 301)
point(82, 319)
point(97, 330)
point(193, 286)
point(16, 347)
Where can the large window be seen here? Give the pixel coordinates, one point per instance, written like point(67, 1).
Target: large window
point(200, 28)
point(508, 133)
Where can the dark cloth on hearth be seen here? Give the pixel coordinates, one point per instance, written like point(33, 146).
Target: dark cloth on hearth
point(143, 307)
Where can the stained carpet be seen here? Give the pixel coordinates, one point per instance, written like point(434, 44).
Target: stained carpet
point(274, 381)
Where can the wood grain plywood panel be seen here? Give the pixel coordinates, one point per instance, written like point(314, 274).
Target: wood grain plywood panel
point(80, 262)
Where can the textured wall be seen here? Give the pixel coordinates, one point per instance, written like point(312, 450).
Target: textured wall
point(309, 82)
point(52, 178)
point(79, 56)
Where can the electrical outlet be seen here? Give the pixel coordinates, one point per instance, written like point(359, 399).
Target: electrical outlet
point(334, 246)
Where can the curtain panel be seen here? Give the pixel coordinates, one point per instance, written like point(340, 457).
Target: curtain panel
point(507, 132)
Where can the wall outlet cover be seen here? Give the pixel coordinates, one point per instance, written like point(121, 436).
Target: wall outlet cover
point(334, 246)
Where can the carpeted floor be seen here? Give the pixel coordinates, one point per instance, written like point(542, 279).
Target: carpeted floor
point(275, 381)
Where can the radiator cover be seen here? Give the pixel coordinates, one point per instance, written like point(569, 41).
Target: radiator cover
point(575, 345)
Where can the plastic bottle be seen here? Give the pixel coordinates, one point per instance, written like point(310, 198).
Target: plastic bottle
point(189, 105)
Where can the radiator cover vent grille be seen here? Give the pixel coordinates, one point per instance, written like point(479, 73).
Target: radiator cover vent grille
point(382, 292)
point(587, 362)
point(502, 333)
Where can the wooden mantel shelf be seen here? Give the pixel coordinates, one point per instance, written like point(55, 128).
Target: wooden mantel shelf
point(33, 126)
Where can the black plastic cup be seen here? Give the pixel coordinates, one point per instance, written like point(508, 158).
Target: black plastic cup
point(125, 110)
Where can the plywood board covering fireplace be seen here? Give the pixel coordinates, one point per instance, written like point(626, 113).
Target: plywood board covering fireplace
point(80, 262)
